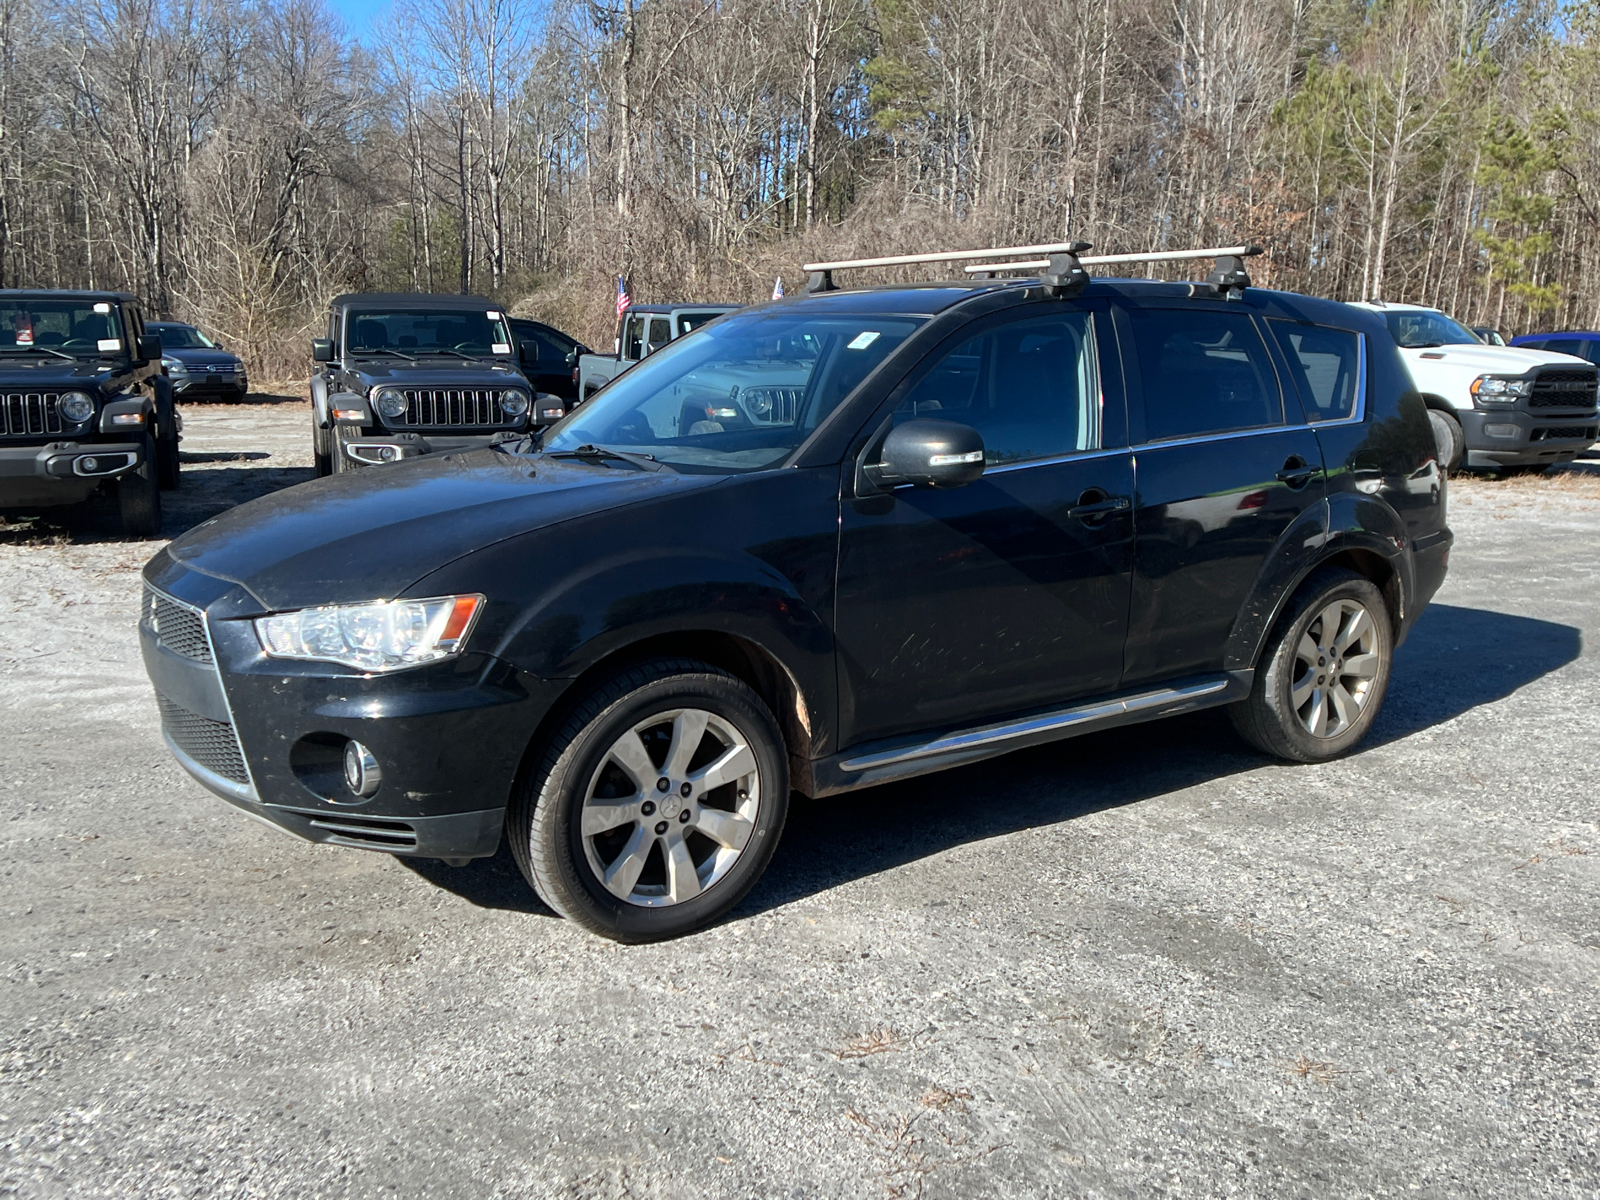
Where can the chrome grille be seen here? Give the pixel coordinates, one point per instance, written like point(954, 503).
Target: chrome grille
point(212, 744)
point(179, 629)
point(1564, 387)
point(30, 413)
point(1552, 433)
point(785, 403)
point(451, 408)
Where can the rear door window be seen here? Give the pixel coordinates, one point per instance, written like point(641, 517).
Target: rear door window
point(1030, 388)
point(633, 338)
point(1326, 366)
point(1204, 371)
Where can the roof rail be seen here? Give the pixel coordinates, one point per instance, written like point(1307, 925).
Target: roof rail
point(821, 273)
point(1229, 277)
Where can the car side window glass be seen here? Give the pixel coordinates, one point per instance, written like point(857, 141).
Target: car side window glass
point(633, 338)
point(1326, 364)
point(1204, 371)
point(660, 333)
point(1565, 346)
point(1030, 388)
point(551, 348)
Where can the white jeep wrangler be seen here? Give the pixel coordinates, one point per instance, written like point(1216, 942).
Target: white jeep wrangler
point(1503, 408)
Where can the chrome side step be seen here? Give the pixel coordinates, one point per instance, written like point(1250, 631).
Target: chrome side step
point(840, 773)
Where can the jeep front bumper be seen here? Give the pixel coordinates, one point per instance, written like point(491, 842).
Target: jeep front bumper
point(61, 472)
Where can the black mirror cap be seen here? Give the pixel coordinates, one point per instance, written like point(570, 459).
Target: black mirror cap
point(322, 350)
point(932, 454)
point(149, 347)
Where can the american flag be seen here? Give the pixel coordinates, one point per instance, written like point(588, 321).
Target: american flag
point(777, 288)
point(623, 298)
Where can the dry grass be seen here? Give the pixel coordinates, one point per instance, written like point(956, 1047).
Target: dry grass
point(944, 1099)
point(879, 1041)
point(1325, 1073)
point(1580, 480)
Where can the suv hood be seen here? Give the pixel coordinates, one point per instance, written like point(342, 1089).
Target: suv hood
point(48, 371)
point(1484, 360)
point(443, 371)
point(373, 533)
point(203, 356)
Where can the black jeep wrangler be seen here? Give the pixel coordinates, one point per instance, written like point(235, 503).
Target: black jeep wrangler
point(406, 374)
point(947, 521)
point(84, 405)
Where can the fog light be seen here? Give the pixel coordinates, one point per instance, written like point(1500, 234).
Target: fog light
point(89, 464)
point(386, 453)
point(1507, 431)
point(362, 774)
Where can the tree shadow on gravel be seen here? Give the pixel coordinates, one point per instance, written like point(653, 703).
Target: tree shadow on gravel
point(1455, 660)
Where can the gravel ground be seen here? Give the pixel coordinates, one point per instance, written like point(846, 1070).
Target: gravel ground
point(1139, 963)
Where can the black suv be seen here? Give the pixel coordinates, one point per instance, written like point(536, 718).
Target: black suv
point(198, 367)
point(406, 374)
point(83, 405)
point(956, 520)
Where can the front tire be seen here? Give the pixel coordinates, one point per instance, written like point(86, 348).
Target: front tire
point(1323, 674)
point(606, 845)
point(167, 469)
point(321, 452)
point(1449, 439)
point(139, 495)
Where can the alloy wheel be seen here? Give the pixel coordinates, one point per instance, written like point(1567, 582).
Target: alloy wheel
point(671, 807)
point(1336, 665)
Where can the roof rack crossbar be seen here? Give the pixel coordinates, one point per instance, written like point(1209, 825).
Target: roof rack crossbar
point(908, 260)
point(1106, 260)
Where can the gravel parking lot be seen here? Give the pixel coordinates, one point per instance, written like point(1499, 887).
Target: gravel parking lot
point(1146, 962)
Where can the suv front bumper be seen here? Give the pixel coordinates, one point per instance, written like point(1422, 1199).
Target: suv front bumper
point(1515, 438)
point(61, 472)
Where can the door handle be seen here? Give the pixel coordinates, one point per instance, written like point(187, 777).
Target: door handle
point(1088, 509)
point(1296, 472)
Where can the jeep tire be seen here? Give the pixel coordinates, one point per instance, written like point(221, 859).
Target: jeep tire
point(321, 446)
point(167, 468)
point(139, 494)
point(656, 805)
point(1323, 673)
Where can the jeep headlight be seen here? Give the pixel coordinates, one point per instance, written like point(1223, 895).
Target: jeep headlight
point(76, 407)
point(380, 637)
point(1500, 389)
point(759, 403)
point(391, 402)
point(513, 404)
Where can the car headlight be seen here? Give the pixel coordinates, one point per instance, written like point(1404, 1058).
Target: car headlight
point(385, 636)
point(174, 366)
point(1500, 389)
point(513, 404)
point(76, 407)
point(391, 402)
point(758, 401)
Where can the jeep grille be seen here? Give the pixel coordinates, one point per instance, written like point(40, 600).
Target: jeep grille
point(447, 409)
point(29, 413)
point(1564, 387)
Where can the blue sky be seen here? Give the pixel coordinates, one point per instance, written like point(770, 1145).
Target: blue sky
point(359, 15)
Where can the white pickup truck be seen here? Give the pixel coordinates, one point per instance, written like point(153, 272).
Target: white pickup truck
point(1504, 408)
point(645, 328)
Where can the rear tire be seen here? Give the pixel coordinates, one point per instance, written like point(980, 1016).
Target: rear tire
point(139, 495)
point(167, 469)
point(1323, 673)
point(1451, 442)
point(320, 452)
point(606, 846)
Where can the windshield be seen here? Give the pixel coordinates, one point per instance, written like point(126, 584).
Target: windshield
point(737, 395)
point(461, 331)
point(1421, 328)
point(82, 328)
point(181, 337)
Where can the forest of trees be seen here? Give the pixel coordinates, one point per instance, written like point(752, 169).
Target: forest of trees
point(236, 162)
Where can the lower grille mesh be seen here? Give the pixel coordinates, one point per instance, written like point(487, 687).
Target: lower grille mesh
point(179, 629)
point(1553, 432)
point(212, 744)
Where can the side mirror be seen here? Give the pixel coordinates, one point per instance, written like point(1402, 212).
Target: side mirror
point(931, 454)
point(572, 356)
point(149, 347)
point(322, 350)
point(527, 353)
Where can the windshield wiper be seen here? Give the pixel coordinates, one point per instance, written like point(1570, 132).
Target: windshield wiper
point(386, 350)
point(457, 353)
point(38, 350)
point(645, 462)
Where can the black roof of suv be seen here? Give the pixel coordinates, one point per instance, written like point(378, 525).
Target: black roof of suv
point(823, 543)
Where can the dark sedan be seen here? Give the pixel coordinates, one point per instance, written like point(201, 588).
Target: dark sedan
point(199, 368)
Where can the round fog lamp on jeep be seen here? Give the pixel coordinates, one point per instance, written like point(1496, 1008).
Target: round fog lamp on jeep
point(389, 635)
point(1500, 389)
point(390, 402)
point(76, 407)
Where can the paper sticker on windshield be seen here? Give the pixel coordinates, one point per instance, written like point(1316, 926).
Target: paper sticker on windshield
point(102, 307)
point(493, 316)
point(863, 340)
point(500, 348)
point(109, 344)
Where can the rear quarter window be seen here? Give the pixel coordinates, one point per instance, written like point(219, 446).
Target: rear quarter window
point(1325, 365)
